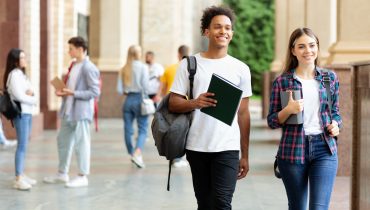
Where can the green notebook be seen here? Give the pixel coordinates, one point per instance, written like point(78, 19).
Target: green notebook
point(228, 97)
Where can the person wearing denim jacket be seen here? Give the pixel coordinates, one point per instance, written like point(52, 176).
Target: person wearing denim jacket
point(20, 90)
point(307, 155)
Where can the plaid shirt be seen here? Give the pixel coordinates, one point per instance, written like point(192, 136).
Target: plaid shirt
point(292, 143)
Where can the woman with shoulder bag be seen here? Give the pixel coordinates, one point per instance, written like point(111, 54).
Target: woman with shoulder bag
point(20, 90)
point(133, 82)
point(307, 155)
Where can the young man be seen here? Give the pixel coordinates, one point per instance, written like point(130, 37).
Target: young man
point(77, 111)
point(212, 146)
point(155, 72)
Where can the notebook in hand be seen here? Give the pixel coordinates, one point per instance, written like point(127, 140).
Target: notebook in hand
point(58, 83)
point(294, 118)
point(228, 97)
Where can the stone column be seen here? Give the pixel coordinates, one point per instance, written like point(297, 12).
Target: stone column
point(281, 34)
point(29, 41)
point(118, 28)
point(114, 26)
point(353, 42)
point(164, 31)
point(321, 18)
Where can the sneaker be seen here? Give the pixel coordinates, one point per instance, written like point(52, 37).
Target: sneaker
point(21, 184)
point(138, 161)
point(180, 164)
point(79, 181)
point(58, 178)
point(8, 144)
point(29, 180)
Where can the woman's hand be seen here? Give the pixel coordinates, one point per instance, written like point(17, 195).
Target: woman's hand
point(294, 106)
point(29, 92)
point(333, 128)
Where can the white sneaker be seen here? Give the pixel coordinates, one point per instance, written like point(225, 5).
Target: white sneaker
point(58, 178)
point(29, 180)
point(138, 161)
point(8, 144)
point(21, 184)
point(180, 164)
point(79, 181)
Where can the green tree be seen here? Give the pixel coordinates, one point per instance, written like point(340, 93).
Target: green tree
point(253, 41)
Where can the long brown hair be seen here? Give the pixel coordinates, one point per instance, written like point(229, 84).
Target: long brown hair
point(12, 62)
point(134, 53)
point(291, 61)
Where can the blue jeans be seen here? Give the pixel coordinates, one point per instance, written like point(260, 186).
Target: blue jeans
point(131, 111)
point(214, 178)
point(317, 175)
point(22, 124)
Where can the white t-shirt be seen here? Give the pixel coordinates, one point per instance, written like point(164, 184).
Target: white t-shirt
point(208, 134)
point(311, 106)
point(156, 70)
point(71, 84)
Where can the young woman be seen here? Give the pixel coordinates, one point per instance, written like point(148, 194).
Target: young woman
point(133, 82)
point(20, 89)
point(307, 155)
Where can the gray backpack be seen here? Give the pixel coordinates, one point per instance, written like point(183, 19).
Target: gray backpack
point(170, 130)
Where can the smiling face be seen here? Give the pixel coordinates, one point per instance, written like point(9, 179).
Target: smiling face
point(305, 49)
point(219, 31)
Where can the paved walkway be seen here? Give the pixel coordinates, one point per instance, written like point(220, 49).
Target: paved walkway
point(116, 184)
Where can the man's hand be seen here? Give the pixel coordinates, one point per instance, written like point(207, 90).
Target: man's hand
point(333, 128)
point(243, 168)
point(204, 100)
point(64, 92)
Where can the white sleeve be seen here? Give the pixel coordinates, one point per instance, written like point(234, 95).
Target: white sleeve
point(181, 84)
point(17, 92)
point(245, 83)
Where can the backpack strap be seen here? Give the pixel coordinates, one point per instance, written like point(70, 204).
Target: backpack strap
point(326, 80)
point(192, 69)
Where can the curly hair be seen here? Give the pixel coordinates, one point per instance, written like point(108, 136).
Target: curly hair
point(213, 11)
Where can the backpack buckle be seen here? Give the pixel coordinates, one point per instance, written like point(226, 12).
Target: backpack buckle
point(326, 78)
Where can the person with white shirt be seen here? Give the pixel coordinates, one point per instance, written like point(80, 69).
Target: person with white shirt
point(307, 156)
point(213, 147)
point(83, 87)
point(156, 70)
point(20, 90)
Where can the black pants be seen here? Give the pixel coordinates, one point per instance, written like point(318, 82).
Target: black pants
point(214, 178)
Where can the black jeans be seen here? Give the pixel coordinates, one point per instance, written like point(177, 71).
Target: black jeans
point(214, 178)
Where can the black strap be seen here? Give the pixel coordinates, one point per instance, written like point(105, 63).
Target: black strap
point(169, 174)
point(326, 80)
point(192, 69)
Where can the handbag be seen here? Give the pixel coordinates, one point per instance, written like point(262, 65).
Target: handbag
point(147, 105)
point(9, 108)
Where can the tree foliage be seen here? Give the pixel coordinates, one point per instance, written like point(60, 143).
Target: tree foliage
point(253, 41)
